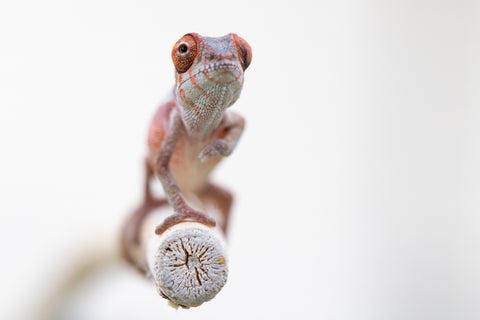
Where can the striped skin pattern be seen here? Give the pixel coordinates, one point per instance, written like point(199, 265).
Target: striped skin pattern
point(212, 84)
point(193, 129)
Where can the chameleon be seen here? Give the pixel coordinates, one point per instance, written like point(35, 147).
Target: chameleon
point(194, 129)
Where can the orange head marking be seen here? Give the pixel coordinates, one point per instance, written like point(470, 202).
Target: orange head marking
point(210, 72)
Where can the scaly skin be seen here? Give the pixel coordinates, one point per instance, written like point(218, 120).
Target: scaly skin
point(192, 131)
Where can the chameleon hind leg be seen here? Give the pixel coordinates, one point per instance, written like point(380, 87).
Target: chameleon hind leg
point(220, 198)
point(130, 236)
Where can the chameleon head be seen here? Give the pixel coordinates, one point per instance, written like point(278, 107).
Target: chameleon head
point(209, 77)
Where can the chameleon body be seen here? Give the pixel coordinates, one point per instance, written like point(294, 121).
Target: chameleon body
point(193, 129)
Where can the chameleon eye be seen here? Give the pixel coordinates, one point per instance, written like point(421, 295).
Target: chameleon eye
point(184, 53)
point(244, 51)
point(182, 48)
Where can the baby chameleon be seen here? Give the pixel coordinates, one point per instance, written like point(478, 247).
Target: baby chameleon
point(193, 130)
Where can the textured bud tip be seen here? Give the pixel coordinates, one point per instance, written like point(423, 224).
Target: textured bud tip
point(189, 265)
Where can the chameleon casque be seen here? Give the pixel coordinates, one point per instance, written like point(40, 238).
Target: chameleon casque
point(193, 130)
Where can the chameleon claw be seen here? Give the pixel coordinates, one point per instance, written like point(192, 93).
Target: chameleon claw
point(216, 148)
point(182, 217)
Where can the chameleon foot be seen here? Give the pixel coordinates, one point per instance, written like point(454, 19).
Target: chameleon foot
point(182, 217)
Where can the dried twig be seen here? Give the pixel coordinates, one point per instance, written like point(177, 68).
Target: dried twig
point(187, 263)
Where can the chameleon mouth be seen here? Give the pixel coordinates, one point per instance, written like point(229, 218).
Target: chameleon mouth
point(222, 72)
point(225, 72)
point(221, 65)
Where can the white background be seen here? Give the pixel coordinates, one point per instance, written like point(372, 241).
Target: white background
point(357, 179)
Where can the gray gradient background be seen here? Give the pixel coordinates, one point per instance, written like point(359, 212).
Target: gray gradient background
point(357, 178)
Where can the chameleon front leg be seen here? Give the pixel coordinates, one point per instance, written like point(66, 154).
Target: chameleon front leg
point(234, 125)
point(182, 210)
